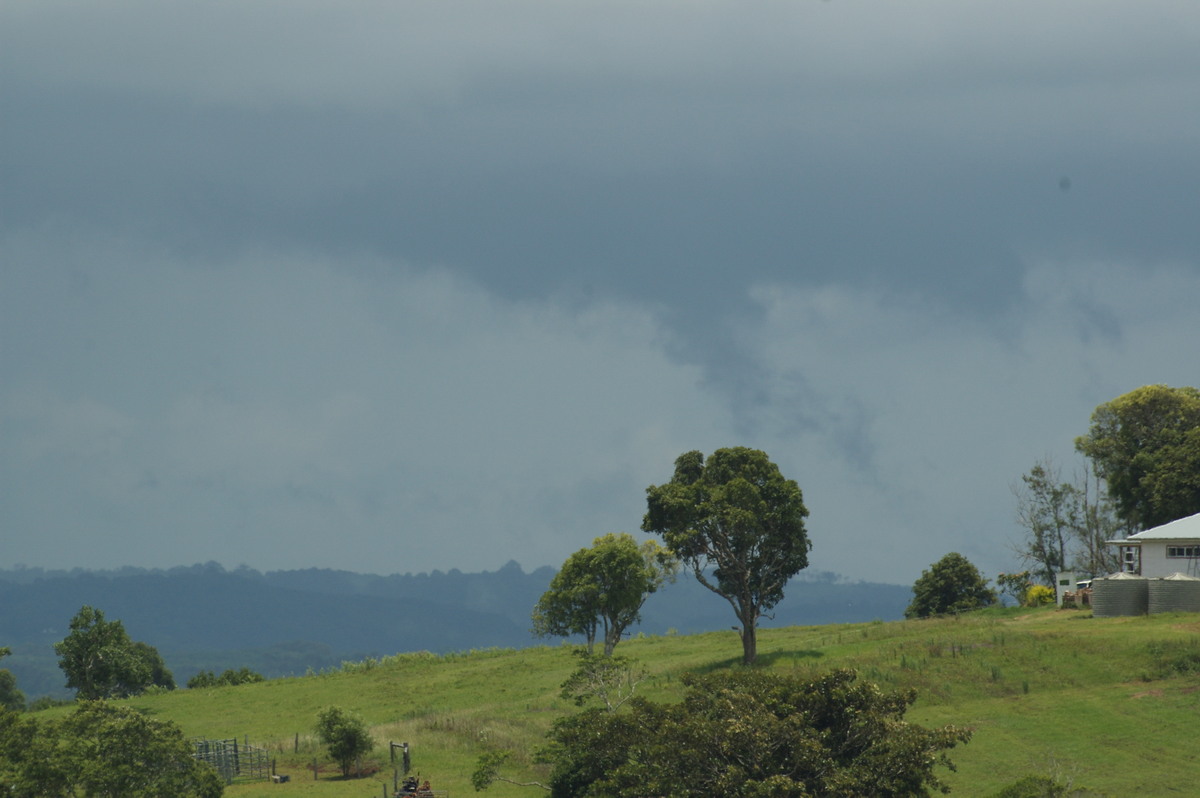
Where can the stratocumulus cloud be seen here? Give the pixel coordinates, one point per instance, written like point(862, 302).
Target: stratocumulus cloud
point(431, 285)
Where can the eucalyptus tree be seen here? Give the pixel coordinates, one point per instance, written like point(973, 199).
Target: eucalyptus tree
point(738, 523)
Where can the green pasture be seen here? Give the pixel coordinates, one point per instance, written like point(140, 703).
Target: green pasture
point(1109, 704)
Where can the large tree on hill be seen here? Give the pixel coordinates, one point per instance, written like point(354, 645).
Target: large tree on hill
point(1146, 446)
point(602, 589)
point(739, 524)
point(101, 661)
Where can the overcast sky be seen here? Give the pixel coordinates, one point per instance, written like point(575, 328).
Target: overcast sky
point(403, 286)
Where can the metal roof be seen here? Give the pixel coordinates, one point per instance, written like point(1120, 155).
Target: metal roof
point(1180, 529)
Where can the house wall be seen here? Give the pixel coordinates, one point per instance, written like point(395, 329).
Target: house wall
point(1156, 563)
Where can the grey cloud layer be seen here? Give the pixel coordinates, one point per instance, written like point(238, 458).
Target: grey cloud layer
point(307, 275)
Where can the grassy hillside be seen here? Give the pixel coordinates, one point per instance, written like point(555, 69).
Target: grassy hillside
point(1109, 703)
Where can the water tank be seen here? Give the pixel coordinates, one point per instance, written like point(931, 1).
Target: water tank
point(1120, 594)
point(1175, 593)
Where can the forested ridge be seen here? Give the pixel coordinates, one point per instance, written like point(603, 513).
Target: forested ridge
point(205, 617)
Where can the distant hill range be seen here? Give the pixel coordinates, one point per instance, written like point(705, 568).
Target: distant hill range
point(281, 623)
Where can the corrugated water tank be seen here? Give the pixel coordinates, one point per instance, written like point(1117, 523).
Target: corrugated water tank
point(1120, 594)
point(1175, 593)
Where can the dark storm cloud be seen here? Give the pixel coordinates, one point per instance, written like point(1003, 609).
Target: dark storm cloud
point(813, 227)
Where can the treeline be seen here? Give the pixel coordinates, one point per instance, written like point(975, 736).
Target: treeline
point(205, 618)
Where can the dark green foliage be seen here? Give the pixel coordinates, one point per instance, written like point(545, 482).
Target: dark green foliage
point(345, 734)
point(227, 679)
point(31, 761)
point(10, 696)
point(739, 524)
point(159, 675)
point(117, 751)
point(602, 589)
point(952, 584)
point(100, 661)
point(1146, 446)
point(47, 702)
point(751, 734)
point(101, 750)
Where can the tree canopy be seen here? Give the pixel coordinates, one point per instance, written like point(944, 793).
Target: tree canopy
point(1145, 444)
point(752, 734)
point(952, 584)
point(10, 696)
point(739, 524)
point(602, 589)
point(101, 661)
point(101, 750)
point(346, 735)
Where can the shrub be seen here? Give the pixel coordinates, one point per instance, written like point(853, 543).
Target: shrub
point(1038, 596)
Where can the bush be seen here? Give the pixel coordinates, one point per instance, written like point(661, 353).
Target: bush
point(1038, 596)
point(751, 733)
point(226, 679)
point(1033, 787)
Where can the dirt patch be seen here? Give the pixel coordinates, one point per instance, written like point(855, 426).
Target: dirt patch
point(1156, 693)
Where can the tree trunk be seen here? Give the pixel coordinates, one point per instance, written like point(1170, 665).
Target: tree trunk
point(747, 613)
point(749, 633)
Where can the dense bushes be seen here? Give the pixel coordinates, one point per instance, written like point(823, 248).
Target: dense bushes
point(226, 679)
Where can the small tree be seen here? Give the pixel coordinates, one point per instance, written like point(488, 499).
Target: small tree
point(101, 661)
point(1066, 524)
point(1050, 511)
point(612, 680)
point(739, 524)
point(602, 589)
point(1014, 585)
point(346, 735)
point(952, 584)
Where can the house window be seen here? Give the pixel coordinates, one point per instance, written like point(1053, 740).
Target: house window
point(1182, 552)
point(1131, 559)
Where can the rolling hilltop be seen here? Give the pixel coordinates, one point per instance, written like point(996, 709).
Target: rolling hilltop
point(290, 622)
point(1105, 703)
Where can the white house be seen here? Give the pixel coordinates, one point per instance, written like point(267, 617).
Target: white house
point(1164, 550)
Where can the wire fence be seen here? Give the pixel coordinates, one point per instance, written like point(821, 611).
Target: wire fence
point(234, 761)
